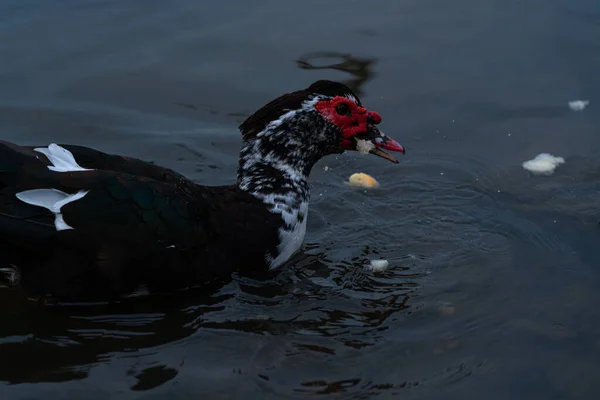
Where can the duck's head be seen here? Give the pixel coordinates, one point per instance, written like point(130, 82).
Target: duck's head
point(299, 128)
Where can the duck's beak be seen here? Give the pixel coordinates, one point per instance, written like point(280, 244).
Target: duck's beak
point(373, 141)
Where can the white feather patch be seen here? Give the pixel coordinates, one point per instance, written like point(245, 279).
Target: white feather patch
point(53, 200)
point(289, 240)
point(62, 159)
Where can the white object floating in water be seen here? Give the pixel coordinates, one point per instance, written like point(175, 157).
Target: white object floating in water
point(578, 105)
point(363, 180)
point(378, 265)
point(543, 164)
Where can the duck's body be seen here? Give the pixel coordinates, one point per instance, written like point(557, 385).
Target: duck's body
point(145, 225)
point(78, 223)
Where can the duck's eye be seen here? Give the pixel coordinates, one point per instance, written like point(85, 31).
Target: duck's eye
point(343, 109)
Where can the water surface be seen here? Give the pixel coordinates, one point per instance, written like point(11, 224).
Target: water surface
point(493, 286)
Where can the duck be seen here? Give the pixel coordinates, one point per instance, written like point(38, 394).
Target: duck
point(77, 223)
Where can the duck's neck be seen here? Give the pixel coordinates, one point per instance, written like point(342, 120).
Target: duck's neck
point(279, 179)
point(278, 162)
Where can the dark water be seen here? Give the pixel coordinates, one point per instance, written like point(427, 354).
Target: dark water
point(493, 289)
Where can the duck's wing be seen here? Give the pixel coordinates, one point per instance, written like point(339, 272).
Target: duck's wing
point(46, 191)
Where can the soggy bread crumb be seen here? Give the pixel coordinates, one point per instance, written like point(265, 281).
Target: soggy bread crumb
point(378, 265)
point(543, 164)
point(363, 180)
point(578, 105)
point(364, 146)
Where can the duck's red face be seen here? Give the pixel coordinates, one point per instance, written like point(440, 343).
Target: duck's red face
point(357, 125)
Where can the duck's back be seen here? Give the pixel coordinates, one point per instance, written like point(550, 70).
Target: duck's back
point(106, 224)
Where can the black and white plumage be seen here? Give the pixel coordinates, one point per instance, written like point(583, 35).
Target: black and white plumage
point(76, 223)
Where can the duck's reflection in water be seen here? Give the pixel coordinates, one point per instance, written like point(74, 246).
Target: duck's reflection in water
point(361, 68)
point(57, 343)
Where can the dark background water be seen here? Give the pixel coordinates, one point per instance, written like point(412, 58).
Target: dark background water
point(494, 279)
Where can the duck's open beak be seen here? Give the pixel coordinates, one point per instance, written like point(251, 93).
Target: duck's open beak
point(373, 141)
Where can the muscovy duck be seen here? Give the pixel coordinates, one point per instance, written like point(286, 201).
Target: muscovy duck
point(76, 223)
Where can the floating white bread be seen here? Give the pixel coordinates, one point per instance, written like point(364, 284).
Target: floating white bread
point(543, 164)
point(378, 265)
point(363, 180)
point(578, 105)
